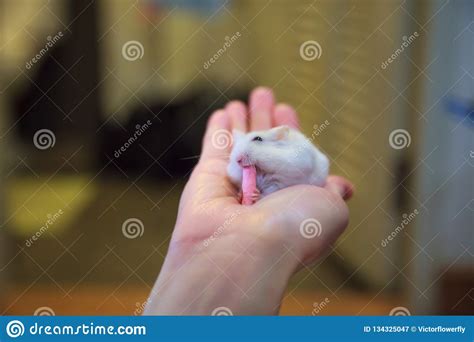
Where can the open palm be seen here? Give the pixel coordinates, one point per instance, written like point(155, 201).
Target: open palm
point(209, 205)
point(224, 256)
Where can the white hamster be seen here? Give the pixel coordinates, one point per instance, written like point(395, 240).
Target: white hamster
point(282, 157)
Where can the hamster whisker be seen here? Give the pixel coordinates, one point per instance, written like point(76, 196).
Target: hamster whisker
point(191, 157)
point(198, 156)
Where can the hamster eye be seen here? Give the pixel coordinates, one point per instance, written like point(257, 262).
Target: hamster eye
point(257, 138)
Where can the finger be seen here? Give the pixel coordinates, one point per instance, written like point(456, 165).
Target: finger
point(238, 115)
point(218, 137)
point(261, 108)
point(285, 115)
point(340, 186)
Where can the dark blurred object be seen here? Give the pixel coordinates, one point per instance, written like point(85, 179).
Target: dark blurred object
point(461, 109)
point(61, 93)
point(170, 147)
point(457, 292)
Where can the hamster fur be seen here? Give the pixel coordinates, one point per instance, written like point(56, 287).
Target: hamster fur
point(282, 156)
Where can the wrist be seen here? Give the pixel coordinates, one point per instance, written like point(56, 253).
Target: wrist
point(246, 277)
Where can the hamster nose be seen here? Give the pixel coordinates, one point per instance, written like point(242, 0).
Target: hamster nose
point(243, 160)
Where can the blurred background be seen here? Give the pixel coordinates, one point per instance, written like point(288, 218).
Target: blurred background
point(103, 105)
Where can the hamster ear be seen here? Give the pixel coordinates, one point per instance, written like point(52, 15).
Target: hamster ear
point(280, 132)
point(237, 134)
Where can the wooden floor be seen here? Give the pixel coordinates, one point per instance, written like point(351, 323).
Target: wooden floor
point(98, 300)
point(83, 264)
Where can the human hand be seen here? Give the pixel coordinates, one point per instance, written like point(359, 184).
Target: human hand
point(224, 254)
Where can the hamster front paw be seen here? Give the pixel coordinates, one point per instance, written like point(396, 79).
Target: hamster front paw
point(254, 196)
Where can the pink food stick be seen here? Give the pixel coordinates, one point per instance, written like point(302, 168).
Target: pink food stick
point(249, 184)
